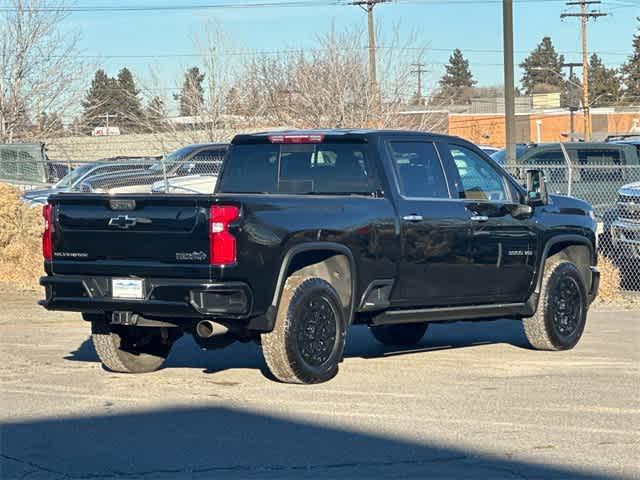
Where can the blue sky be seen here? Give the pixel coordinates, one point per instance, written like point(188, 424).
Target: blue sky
point(474, 27)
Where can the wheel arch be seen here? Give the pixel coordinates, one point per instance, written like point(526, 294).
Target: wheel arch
point(575, 248)
point(330, 261)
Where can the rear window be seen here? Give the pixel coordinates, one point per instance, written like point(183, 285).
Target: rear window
point(326, 168)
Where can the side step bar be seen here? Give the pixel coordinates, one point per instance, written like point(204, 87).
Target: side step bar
point(442, 314)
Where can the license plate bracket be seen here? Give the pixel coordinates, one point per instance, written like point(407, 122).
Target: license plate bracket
point(127, 288)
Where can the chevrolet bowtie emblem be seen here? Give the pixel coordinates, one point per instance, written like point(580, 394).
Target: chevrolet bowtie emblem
point(123, 222)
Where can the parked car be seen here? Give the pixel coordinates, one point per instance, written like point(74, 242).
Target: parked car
point(631, 141)
point(489, 150)
point(29, 164)
point(309, 232)
point(501, 155)
point(186, 185)
point(594, 172)
point(81, 173)
point(621, 234)
point(205, 159)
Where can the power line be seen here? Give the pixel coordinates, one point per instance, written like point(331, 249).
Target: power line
point(263, 4)
point(250, 53)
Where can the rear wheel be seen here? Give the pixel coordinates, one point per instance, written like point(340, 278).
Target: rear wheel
point(561, 317)
point(399, 335)
point(130, 349)
point(307, 341)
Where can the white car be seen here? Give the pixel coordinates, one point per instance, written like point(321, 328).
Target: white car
point(186, 185)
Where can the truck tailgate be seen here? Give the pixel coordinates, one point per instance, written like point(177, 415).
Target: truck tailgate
point(163, 236)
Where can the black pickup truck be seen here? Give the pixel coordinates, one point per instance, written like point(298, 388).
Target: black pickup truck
point(309, 232)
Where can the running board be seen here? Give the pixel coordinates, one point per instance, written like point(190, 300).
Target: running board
point(443, 314)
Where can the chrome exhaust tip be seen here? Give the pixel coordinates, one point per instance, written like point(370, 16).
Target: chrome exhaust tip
point(208, 329)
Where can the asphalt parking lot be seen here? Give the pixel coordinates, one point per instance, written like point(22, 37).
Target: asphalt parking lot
point(471, 401)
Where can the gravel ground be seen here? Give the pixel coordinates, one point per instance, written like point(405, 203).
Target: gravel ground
point(471, 401)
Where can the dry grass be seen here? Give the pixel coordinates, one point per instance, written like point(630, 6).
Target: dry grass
point(609, 291)
point(20, 240)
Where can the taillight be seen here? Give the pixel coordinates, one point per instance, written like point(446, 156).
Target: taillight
point(311, 138)
point(222, 245)
point(47, 240)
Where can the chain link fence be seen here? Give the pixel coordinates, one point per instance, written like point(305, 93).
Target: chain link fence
point(609, 188)
point(614, 192)
point(121, 175)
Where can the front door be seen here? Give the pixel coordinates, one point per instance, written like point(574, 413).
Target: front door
point(503, 247)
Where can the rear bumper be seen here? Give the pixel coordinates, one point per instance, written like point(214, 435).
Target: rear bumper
point(163, 297)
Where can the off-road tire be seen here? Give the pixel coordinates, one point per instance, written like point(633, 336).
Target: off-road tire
point(118, 352)
point(399, 335)
point(558, 324)
point(307, 341)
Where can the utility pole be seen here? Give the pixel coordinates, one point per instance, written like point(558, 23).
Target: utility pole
point(509, 83)
point(419, 71)
point(106, 117)
point(585, 16)
point(367, 6)
point(572, 108)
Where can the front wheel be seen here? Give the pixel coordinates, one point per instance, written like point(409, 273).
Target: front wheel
point(307, 341)
point(130, 349)
point(561, 317)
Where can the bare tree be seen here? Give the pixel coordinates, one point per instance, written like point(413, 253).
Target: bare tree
point(327, 86)
point(39, 67)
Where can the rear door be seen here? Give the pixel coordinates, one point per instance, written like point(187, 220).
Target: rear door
point(435, 229)
point(502, 247)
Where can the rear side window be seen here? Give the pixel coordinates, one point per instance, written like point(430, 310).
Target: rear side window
point(599, 157)
point(327, 168)
point(419, 169)
point(607, 159)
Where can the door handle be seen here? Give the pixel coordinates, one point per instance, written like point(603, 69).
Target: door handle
point(479, 218)
point(413, 218)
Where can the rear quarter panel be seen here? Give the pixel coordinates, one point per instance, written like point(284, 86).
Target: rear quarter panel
point(271, 225)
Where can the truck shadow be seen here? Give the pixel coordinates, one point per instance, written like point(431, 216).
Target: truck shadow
point(208, 442)
point(360, 343)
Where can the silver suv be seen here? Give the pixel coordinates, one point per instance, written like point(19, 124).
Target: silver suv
point(625, 231)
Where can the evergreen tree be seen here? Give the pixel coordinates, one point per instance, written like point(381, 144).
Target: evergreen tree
point(571, 94)
point(457, 82)
point(129, 107)
point(604, 83)
point(191, 97)
point(543, 69)
point(631, 72)
point(102, 98)
point(155, 114)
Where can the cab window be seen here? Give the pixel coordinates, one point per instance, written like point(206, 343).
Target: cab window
point(478, 180)
point(418, 169)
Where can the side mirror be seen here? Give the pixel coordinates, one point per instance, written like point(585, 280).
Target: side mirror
point(536, 188)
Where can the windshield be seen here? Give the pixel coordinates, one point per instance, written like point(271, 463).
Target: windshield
point(172, 159)
point(73, 176)
point(327, 168)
